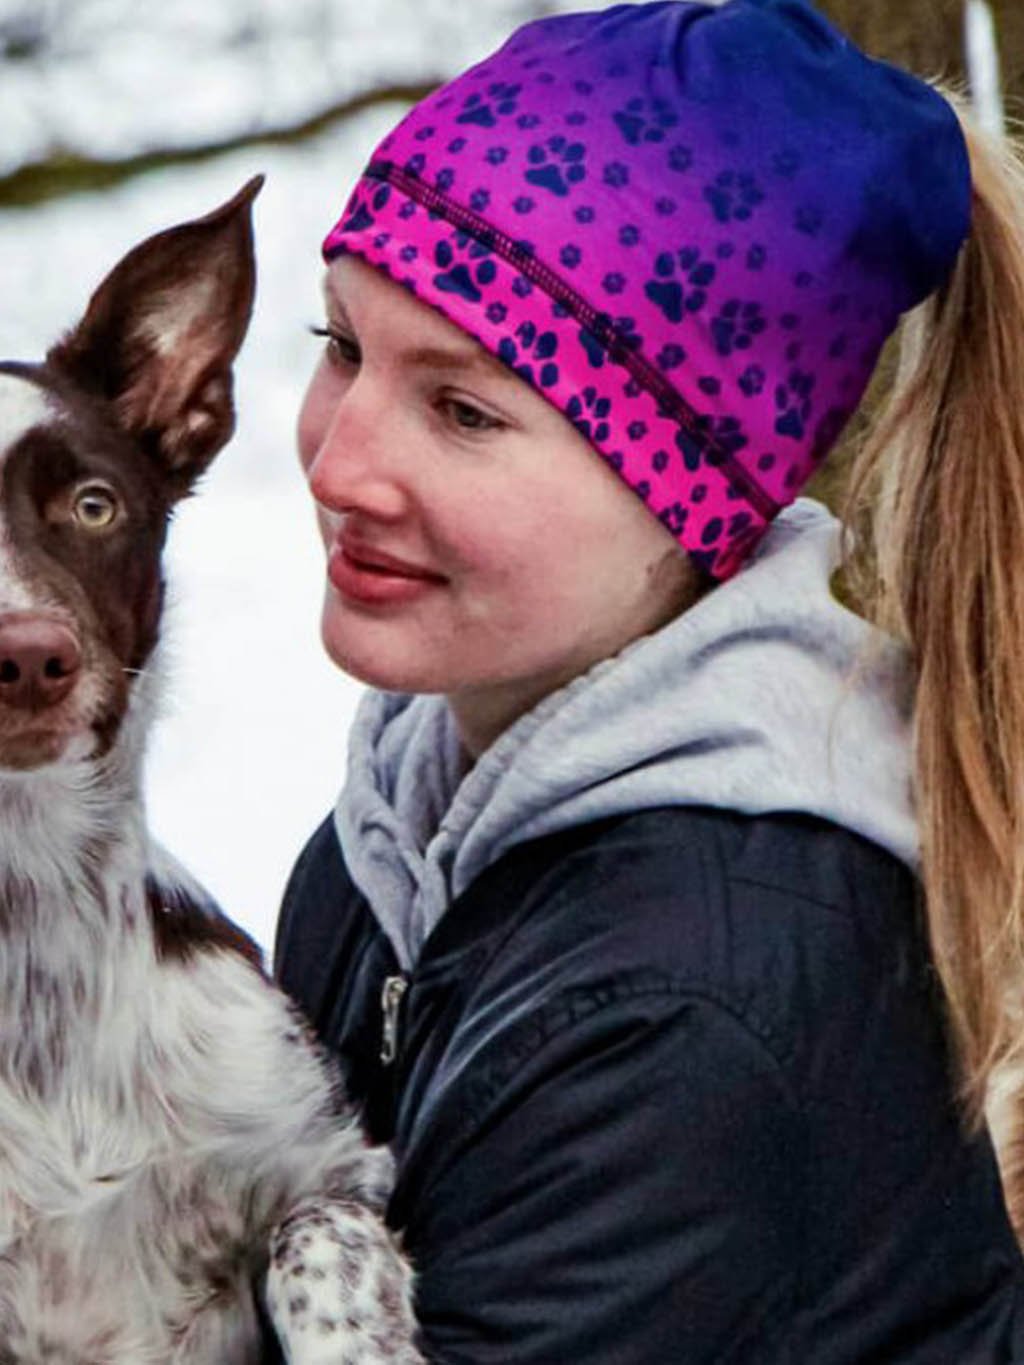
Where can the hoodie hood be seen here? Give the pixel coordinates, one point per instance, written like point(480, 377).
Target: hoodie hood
point(767, 695)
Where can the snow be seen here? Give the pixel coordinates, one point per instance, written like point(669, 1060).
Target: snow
point(114, 76)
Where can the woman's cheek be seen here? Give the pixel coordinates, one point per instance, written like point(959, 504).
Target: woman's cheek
point(314, 416)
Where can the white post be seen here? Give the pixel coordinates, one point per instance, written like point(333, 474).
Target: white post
point(982, 52)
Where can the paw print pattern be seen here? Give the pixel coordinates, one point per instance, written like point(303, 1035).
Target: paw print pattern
point(752, 381)
point(460, 277)
point(756, 385)
point(587, 413)
point(680, 158)
point(725, 432)
point(681, 284)
point(670, 357)
point(736, 326)
point(501, 99)
point(556, 165)
point(733, 196)
point(793, 403)
point(530, 354)
point(644, 120)
point(809, 219)
point(674, 517)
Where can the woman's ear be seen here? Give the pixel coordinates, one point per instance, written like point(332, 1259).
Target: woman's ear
point(161, 332)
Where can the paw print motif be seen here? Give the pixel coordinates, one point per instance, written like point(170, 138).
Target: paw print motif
point(528, 349)
point(725, 434)
point(733, 196)
point(556, 165)
point(677, 296)
point(809, 219)
point(459, 277)
point(670, 357)
point(359, 219)
point(645, 121)
point(691, 449)
point(736, 326)
point(752, 381)
point(588, 414)
point(501, 98)
point(680, 158)
point(674, 517)
point(793, 401)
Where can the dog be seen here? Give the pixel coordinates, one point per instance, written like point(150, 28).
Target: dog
point(169, 1130)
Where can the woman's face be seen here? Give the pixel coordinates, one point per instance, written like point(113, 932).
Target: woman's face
point(476, 544)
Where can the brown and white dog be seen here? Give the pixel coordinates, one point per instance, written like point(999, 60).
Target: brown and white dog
point(167, 1128)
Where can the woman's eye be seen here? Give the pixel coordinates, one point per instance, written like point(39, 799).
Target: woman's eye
point(95, 506)
point(340, 348)
point(468, 417)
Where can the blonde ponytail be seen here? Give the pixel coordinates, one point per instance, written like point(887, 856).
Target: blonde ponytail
point(935, 554)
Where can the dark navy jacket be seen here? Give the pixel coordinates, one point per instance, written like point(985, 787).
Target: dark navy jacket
point(670, 1088)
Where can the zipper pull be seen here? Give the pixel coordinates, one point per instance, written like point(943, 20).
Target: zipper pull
point(390, 1003)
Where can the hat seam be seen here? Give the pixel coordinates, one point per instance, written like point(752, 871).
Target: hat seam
point(599, 324)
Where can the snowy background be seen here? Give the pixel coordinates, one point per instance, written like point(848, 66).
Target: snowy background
point(250, 752)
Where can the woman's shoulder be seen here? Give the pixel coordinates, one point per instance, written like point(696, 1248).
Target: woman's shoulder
point(794, 929)
point(741, 907)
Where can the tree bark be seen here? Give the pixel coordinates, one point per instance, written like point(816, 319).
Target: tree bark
point(73, 172)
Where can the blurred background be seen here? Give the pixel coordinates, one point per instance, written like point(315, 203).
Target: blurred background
point(119, 118)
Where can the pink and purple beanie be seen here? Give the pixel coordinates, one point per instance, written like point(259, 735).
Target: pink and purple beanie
point(690, 227)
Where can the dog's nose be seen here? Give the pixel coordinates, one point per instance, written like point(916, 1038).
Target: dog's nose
point(39, 661)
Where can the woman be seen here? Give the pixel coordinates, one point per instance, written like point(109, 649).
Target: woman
point(616, 926)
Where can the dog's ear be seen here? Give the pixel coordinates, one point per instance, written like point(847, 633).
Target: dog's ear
point(161, 332)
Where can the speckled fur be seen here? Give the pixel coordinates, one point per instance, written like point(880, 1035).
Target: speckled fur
point(165, 1116)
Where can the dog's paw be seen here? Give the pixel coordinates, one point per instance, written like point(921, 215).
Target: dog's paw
point(339, 1289)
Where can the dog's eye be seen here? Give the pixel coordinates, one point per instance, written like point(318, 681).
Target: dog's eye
point(94, 507)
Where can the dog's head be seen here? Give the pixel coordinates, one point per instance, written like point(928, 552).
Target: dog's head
point(97, 444)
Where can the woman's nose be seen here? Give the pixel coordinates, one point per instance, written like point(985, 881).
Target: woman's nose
point(347, 449)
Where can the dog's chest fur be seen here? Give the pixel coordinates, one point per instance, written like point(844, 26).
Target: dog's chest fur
point(161, 1111)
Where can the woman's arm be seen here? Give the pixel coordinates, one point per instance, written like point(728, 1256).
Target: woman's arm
point(628, 1192)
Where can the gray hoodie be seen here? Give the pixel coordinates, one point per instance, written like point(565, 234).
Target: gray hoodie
point(767, 695)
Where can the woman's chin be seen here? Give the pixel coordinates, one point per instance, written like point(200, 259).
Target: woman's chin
point(377, 657)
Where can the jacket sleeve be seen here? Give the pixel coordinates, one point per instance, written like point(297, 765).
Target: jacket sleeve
point(622, 1186)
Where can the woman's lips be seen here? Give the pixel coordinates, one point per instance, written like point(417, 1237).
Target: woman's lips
point(376, 578)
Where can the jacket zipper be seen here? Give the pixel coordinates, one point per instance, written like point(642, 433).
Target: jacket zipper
point(390, 1002)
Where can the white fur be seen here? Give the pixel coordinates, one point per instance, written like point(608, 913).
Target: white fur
point(159, 1117)
point(23, 405)
point(174, 315)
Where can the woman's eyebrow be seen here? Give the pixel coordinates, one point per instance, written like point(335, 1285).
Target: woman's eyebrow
point(455, 357)
point(431, 356)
